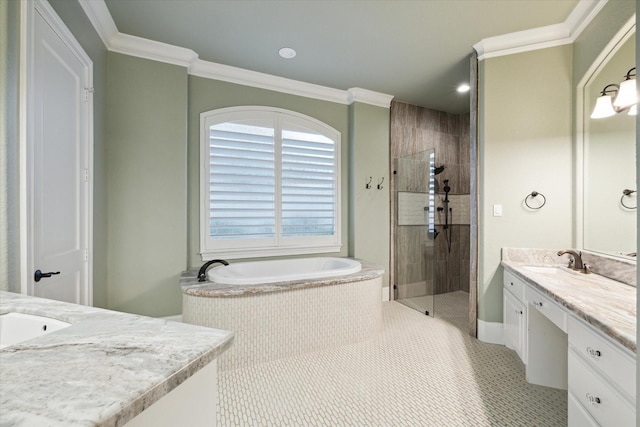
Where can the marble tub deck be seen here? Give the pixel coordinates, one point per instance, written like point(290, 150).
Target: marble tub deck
point(190, 285)
point(608, 305)
point(103, 370)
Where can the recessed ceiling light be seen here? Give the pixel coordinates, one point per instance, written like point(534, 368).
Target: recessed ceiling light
point(287, 53)
point(463, 88)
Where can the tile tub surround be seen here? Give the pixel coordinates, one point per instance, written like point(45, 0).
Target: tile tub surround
point(275, 321)
point(606, 304)
point(103, 370)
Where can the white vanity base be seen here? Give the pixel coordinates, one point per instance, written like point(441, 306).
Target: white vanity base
point(562, 350)
point(193, 403)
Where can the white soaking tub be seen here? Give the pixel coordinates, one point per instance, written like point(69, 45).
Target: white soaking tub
point(283, 270)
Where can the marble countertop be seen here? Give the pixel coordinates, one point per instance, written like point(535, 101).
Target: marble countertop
point(190, 285)
point(608, 305)
point(103, 370)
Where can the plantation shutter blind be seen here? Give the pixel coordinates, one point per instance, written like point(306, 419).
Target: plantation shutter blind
point(242, 181)
point(270, 184)
point(308, 184)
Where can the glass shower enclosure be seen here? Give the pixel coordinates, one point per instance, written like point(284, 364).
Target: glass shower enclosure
point(414, 257)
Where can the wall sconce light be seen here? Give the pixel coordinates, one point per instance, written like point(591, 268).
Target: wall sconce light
point(618, 98)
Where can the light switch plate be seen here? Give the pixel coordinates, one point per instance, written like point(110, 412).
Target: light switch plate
point(497, 210)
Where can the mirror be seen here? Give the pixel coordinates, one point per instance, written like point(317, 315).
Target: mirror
point(609, 160)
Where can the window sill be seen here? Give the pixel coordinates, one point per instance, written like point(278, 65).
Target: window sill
point(242, 253)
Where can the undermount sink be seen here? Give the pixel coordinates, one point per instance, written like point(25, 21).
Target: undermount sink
point(546, 270)
point(18, 327)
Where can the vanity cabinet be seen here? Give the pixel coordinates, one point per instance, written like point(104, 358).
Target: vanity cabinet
point(601, 378)
point(514, 311)
point(562, 350)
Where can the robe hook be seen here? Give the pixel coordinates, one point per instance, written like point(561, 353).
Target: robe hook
point(368, 184)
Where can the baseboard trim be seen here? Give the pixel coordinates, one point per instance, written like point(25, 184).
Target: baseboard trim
point(490, 332)
point(175, 318)
point(385, 294)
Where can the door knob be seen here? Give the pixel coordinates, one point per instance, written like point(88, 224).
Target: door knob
point(39, 274)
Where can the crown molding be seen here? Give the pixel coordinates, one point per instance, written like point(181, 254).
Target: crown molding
point(366, 96)
point(101, 19)
point(244, 77)
point(150, 49)
point(115, 41)
point(543, 37)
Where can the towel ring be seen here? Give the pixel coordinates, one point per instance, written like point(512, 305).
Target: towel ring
point(535, 194)
point(627, 193)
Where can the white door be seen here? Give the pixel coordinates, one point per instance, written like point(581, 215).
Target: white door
point(58, 149)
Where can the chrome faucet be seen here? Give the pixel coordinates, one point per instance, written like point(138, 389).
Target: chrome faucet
point(576, 262)
point(202, 273)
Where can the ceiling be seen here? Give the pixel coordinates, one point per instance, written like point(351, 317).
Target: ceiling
point(418, 51)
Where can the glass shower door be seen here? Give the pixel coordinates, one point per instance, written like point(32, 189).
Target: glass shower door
point(414, 256)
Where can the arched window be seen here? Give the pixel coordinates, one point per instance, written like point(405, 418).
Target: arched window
point(270, 184)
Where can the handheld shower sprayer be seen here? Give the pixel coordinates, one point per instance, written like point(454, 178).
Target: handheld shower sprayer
point(447, 211)
point(446, 190)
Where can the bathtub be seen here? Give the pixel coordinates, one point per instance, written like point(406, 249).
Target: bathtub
point(281, 308)
point(284, 270)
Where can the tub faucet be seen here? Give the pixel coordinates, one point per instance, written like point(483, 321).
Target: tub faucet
point(576, 261)
point(202, 274)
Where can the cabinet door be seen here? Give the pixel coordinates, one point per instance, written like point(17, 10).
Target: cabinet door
point(514, 324)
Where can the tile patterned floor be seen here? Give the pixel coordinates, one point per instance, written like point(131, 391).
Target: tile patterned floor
point(421, 303)
point(420, 371)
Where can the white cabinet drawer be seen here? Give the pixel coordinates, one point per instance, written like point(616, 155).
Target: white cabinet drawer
point(578, 416)
point(514, 285)
point(550, 309)
point(605, 405)
point(606, 356)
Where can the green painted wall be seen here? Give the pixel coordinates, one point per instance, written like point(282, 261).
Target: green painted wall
point(9, 146)
point(369, 220)
point(207, 94)
point(525, 144)
point(146, 184)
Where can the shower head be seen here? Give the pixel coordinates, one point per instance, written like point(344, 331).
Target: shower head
point(438, 170)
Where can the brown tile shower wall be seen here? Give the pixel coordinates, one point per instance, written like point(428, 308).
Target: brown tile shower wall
point(413, 130)
point(452, 267)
